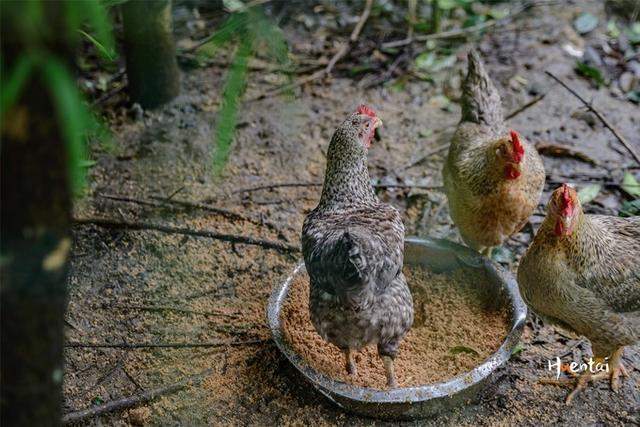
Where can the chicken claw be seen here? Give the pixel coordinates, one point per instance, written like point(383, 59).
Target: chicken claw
point(581, 382)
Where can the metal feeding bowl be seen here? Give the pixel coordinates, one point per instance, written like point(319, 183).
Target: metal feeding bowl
point(438, 256)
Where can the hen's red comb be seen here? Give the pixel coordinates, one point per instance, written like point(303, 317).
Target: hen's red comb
point(518, 149)
point(363, 109)
point(567, 201)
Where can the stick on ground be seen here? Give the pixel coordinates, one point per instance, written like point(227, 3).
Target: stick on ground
point(318, 184)
point(134, 346)
point(231, 238)
point(599, 115)
point(128, 402)
point(172, 308)
point(526, 106)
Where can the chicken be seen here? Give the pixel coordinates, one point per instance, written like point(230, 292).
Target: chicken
point(582, 271)
point(353, 251)
point(492, 177)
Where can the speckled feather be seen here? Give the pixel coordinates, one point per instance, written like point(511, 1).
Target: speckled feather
point(588, 281)
point(353, 250)
point(486, 207)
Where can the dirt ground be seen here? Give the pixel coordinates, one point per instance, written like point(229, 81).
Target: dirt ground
point(151, 287)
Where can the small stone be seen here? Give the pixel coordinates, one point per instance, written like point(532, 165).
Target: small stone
point(626, 81)
point(634, 67)
point(592, 57)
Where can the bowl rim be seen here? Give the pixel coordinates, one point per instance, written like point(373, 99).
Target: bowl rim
point(331, 387)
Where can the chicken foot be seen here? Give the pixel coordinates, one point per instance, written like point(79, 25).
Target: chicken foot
point(387, 361)
point(350, 363)
point(580, 382)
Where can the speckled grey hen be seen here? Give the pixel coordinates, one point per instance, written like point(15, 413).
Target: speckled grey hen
point(492, 177)
point(353, 249)
point(583, 272)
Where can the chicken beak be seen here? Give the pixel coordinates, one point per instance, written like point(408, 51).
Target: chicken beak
point(376, 132)
point(567, 225)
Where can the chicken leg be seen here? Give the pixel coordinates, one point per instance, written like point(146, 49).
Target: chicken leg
point(350, 363)
point(616, 368)
point(387, 361)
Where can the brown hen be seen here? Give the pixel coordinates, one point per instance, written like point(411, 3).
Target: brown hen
point(583, 272)
point(493, 178)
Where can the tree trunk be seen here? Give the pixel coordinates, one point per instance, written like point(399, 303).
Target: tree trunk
point(35, 243)
point(150, 52)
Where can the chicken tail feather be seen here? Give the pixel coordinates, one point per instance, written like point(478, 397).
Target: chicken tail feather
point(481, 101)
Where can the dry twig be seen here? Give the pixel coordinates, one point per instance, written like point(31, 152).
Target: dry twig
point(231, 238)
point(134, 346)
point(170, 202)
point(599, 115)
point(319, 184)
point(526, 106)
point(172, 308)
point(428, 154)
point(128, 402)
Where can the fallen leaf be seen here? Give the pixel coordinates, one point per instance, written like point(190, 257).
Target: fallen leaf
point(588, 193)
point(519, 348)
point(630, 208)
point(555, 150)
point(630, 185)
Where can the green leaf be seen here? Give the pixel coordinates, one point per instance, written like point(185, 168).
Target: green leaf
point(588, 193)
point(425, 60)
point(630, 185)
point(235, 24)
point(463, 349)
point(227, 116)
point(590, 72)
point(612, 29)
point(110, 55)
point(633, 33)
point(430, 61)
point(447, 4)
point(72, 114)
point(262, 29)
point(12, 85)
point(87, 163)
point(498, 13)
point(585, 23)
point(630, 208)
point(519, 348)
point(98, 18)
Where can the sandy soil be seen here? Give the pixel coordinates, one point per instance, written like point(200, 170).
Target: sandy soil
point(119, 277)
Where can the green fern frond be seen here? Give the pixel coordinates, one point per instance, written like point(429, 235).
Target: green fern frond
point(72, 114)
point(227, 115)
